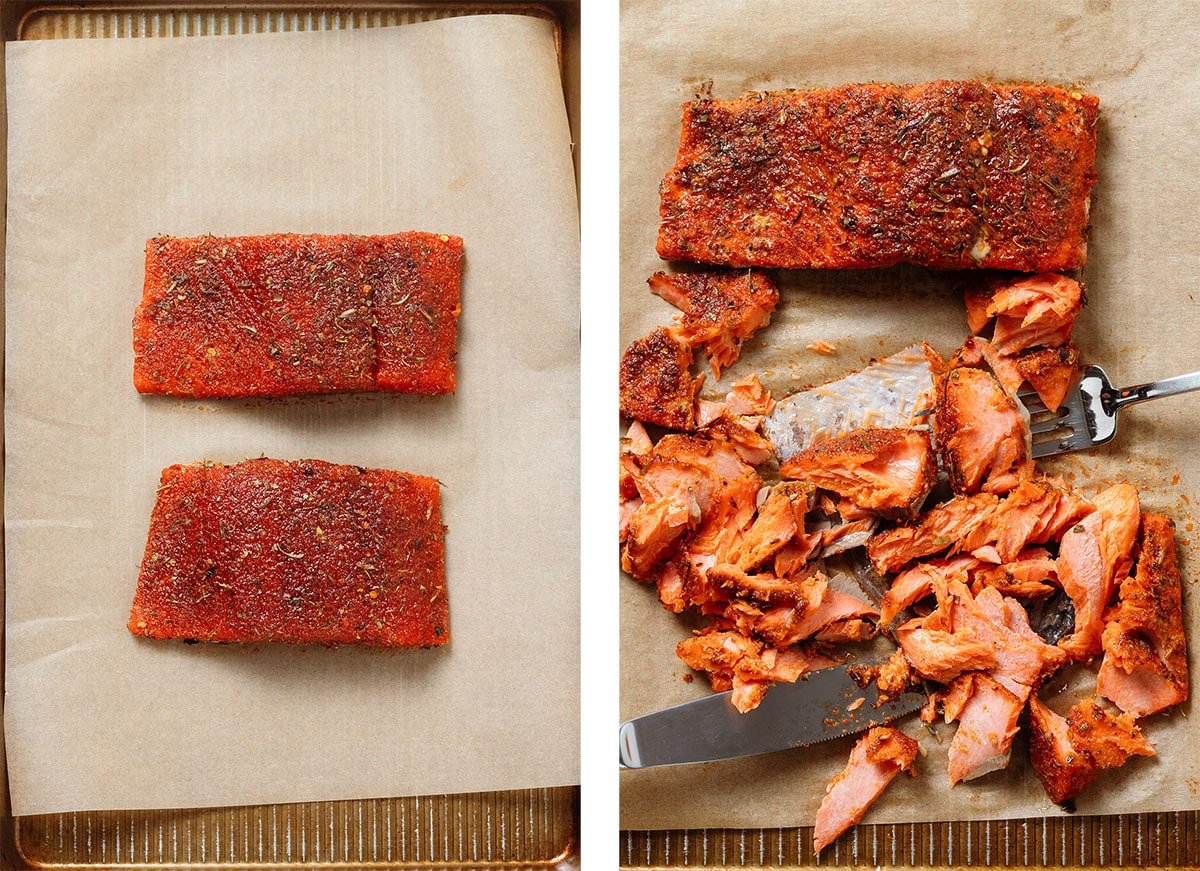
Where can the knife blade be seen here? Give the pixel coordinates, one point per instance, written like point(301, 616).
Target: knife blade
point(815, 708)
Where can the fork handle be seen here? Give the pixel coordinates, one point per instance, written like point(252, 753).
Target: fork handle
point(1117, 399)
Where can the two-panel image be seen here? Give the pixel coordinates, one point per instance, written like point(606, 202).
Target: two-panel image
point(306, 325)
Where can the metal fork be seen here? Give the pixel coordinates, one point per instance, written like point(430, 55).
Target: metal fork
point(1088, 415)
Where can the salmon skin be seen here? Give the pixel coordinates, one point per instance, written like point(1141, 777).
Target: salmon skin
point(288, 314)
point(302, 552)
point(950, 175)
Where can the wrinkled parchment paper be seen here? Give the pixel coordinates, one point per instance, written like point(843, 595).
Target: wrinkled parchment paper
point(455, 126)
point(1142, 323)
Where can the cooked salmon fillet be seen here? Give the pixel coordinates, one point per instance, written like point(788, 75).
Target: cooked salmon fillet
point(874, 762)
point(889, 471)
point(1094, 554)
point(303, 552)
point(1068, 753)
point(1145, 666)
point(289, 314)
point(719, 309)
point(952, 175)
point(981, 432)
point(656, 385)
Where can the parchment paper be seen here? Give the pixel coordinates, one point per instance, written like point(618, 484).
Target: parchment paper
point(1142, 323)
point(455, 126)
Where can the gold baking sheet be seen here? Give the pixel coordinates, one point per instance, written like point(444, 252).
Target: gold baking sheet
point(517, 829)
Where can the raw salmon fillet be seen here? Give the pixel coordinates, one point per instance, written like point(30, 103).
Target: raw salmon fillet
point(303, 552)
point(950, 175)
point(288, 314)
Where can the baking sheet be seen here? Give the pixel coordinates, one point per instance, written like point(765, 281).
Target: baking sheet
point(454, 125)
point(1141, 323)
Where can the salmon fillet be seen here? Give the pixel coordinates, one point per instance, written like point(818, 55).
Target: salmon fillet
point(1145, 666)
point(1068, 753)
point(951, 175)
point(289, 314)
point(719, 310)
point(889, 471)
point(981, 432)
point(303, 552)
point(874, 762)
point(656, 385)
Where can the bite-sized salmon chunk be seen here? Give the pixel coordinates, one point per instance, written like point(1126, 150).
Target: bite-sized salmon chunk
point(656, 384)
point(1068, 753)
point(1094, 554)
point(779, 519)
point(1050, 372)
point(981, 432)
point(952, 175)
point(940, 655)
point(917, 582)
point(874, 762)
point(1145, 666)
point(938, 530)
point(1032, 575)
point(291, 314)
point(889, 471)
point(987, 724)
point(303, 552)
point(720, 309)
point(1030, 312)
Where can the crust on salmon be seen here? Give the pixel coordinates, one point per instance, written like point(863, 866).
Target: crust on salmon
point(656, 385)
point(1094, 553)
point(981, 433)
point(874, 762)
point(1145, 666)
point(720, 309)
point(1068, 753)
point(890, 471)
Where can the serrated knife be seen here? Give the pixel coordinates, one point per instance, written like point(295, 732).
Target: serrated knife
point(817, 707)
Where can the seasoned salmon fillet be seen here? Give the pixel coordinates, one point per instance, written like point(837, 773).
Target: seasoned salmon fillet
point(656, 385)
point(889, 471)
point(719, 309)
point(951, 175)
point(303, 552)
point(290, 314)
point(874, 762)
point(1069, 752)
point(1145, 666)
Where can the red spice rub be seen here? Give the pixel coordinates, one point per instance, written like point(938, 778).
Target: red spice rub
point(950, 175)
point(304, 552)
point(289, 314)
point(656, 386)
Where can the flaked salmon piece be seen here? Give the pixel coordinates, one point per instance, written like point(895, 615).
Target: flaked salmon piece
point(637, 441)
point(846, 536)
point(1023, 658)
point(656, 384)
point(915, 583)
point(747, 402)
point(1145, 649)
point(1068, 753)
point(779, 518)
point(719, 309)
point(848, 631)
point(784, 664)
point(793, 558)
point(652, 531)
point(889, 471)
point(717, 654)
point(816, 607)
point(942, 656)
point(1032, 575)
point(957, 694)
point(987, 724)
point(750, 446)
point(894, 677)
point(977, 353)
point(936, 531)
point(981, 431)
point(760, 587)
point(635, 444)
point(875, 761)
point(896, 391)
point(1034, 311)
point(1050, 371)
point(1093, 554)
